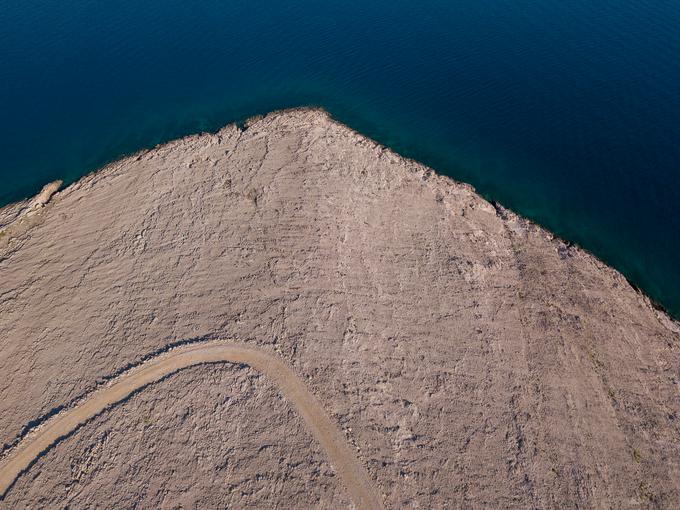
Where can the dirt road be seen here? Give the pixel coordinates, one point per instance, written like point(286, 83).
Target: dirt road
point(343, 459)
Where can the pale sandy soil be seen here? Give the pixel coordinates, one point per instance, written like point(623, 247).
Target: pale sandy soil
point(471, 359)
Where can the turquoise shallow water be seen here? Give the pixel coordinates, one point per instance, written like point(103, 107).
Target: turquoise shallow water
point(565, 111)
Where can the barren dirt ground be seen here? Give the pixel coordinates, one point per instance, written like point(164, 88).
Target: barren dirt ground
point(469, 358)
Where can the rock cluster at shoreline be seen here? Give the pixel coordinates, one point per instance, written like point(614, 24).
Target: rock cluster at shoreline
point(471, 358)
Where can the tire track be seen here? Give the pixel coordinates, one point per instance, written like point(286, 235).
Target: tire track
point(343, 459)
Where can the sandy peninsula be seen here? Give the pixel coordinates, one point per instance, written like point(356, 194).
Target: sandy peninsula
point(462, 356)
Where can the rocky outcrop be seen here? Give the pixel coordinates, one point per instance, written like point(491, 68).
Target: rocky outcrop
point(17, 218)
point(471, 358)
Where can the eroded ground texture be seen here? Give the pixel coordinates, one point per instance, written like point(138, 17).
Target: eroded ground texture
point(212, 436)
point(471, 359)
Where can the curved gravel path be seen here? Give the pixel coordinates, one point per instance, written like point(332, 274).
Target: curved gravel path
point(343, 459)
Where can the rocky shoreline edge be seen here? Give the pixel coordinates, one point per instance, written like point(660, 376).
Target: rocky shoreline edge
point(17, 218)
point(431, 323)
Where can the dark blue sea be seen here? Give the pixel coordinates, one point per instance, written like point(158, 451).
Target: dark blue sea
point(567, 111)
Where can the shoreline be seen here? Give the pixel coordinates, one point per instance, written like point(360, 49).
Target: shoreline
point(415, 309)
point(35, 214)
point(27, 207)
